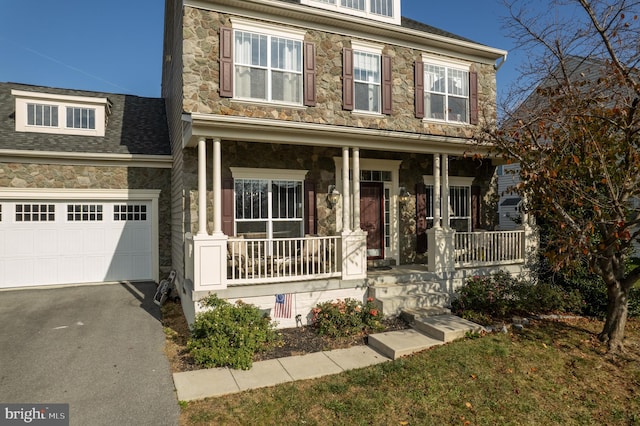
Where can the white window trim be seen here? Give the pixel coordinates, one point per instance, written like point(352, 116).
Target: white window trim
point(367, 47)
point(267, 29)
point(459, 181)
point(263, 28)
point(374, 49)
point(24, 98)
point(337, 7)
point(272, 174)
point(448, 63)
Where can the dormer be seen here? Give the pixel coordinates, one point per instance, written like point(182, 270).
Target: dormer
point(379, 10)
point(60, 114)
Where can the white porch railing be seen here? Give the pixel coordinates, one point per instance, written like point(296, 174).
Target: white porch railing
point(250, 261)
point(489, 248)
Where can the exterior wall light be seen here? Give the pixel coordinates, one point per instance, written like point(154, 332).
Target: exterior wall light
point(333, 196)
point(403, 195)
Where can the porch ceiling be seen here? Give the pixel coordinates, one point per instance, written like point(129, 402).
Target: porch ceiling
point(288, 132)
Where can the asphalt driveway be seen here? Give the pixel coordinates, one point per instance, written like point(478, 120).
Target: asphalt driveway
point(98, 348)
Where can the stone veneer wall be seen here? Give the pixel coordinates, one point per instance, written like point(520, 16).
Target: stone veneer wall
point(22, 175)
point(319, 162)
point(201, 76)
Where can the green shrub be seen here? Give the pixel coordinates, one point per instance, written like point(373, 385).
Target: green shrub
point(229, 335)
point(502, 295)
point(591, 287)
point(346, 317)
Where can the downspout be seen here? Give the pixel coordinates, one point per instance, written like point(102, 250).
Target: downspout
point(501, 63)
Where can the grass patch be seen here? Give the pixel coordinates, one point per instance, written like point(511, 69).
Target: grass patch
point(549, 373)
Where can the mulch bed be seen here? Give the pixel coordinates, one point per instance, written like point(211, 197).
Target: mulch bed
point(294, 341)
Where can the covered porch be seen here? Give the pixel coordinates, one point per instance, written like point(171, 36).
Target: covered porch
point(223, 255)
point(217, 260)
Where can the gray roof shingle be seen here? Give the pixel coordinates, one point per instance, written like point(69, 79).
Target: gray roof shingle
point(136, 125)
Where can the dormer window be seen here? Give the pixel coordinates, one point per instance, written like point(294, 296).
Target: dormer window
point(42, 115)
point(81, 118)
point(380, 10)
point(60, 114)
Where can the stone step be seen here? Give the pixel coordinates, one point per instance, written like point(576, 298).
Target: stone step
point(404, 289)
point(398, 277)
point(393, 305)
point(410, 315)
point(395, 344)
point(445, 327)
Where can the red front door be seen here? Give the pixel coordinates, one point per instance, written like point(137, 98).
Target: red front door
point(372, 217)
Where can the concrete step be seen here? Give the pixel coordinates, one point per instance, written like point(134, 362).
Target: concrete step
point(395, 344)
point(445, 327)
point(403, 289)
point(393, 305)
point(410, 315)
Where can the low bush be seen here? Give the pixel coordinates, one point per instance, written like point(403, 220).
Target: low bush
point(485, 298)
point(591, 287)
point(346, 317)
point(229, 335)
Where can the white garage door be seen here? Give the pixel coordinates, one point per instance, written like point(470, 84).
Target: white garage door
point(75, 241)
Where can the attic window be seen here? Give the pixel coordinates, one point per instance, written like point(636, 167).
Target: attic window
point(60, 114)
point(379, 10)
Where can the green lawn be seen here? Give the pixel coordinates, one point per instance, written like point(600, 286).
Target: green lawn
point(551, 373)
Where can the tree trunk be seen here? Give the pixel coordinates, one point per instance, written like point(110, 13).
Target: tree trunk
point(618, 305)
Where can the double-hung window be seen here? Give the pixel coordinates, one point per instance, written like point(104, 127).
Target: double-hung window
point(446, 93)
point(366, 79)
point(268, 68)
point(269, 203)
point(366, 69)
point(459, 203)
point(267, 63)
point(449, 91)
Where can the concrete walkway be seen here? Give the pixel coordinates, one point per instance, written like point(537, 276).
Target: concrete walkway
point(214, 382)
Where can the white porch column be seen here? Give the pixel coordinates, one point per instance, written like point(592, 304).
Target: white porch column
point(217, 187)
point(202, 186)
point(346, 199)
point(437, 200)
point(356, 188)
point(445, 190)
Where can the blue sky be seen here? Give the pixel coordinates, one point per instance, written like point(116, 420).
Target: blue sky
point(116, 46)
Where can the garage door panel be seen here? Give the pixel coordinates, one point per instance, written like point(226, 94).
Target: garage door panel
point(45, 242)
point(93, 241)
point(45, 270)
point(20, 242)
point(71, 242)
point(95, 268)
point(73, 245)
point(18, 272)
point(71, 269)
point(141, 266)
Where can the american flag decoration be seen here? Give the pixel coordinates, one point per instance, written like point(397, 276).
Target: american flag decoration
point(283, 306)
